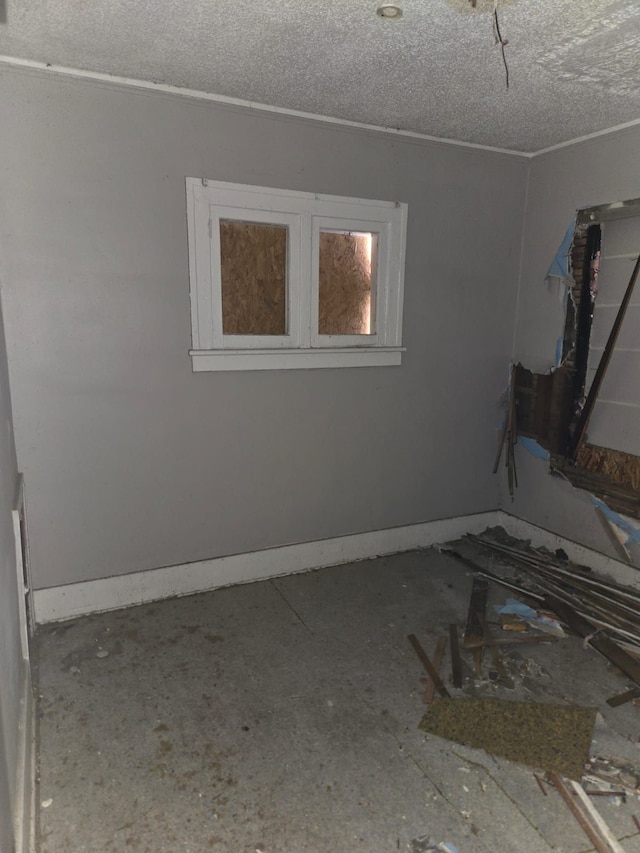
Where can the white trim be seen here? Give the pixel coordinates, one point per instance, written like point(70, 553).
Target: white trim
point(304, 215)
point(627, 125)
point(281, 359)
point(540, 537)
point(22, 578)
point(66, 602)
point(25, 808)
point(223, 100)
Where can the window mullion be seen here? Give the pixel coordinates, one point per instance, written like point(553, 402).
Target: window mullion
point(305, 288)
point(216, 278)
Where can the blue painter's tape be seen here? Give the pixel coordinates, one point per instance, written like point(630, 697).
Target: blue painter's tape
point(559, 347)
point(633, 532)
point(560, 265)
point(533, 447)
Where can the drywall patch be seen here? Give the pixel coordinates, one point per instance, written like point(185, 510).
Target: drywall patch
point(605, 53)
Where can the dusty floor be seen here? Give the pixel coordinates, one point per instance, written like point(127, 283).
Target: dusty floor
point(282, 716)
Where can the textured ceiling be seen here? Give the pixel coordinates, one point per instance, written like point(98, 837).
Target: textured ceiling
point(574, 64)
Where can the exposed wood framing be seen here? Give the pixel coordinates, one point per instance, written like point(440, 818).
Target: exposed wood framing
point(551, 409)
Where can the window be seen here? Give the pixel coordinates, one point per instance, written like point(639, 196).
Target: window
point(288, 280)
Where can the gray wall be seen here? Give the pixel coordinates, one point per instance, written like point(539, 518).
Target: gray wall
point(131, 461)
point(601, 170)
point(11, 664)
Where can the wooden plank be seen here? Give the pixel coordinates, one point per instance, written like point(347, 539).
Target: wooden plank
point(456, 663)
point(490, 575)
point(473, 631)
point(442, 690)
point(583, 819)
point(622, 698)
point(511, 641)
point(441, 645)
point(495, 654)
point(600, 642)
point(611, 844)
point(618, 545)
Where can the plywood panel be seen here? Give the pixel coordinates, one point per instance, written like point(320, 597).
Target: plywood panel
point(618, 467)
point(253, 261)
point(345, 284)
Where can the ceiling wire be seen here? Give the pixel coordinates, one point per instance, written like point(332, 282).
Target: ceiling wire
point(499, 40)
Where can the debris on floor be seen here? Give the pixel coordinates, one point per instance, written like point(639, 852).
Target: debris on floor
point(586, 814)
point(603, 771)
point(538, 619)
point(300, 731)
point(423, 844)
point(556, 599)
point(604, 613)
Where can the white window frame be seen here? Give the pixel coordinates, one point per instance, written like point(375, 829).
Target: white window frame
point(305, 215)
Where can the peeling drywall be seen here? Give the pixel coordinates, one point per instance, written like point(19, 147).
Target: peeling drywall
point(561, 183)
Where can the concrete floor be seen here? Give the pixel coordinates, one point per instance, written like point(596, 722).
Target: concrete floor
point(282, 716)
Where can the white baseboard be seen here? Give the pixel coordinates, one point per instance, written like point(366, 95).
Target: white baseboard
point(78, 599)
point(540, 537)
point(25, 808)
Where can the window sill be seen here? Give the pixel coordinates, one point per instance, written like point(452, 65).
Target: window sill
point(296, 359)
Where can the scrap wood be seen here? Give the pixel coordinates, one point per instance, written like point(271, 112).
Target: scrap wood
point(424, 659)
point(491, 575)
point(495, 654)
point(509, 437)
point(538, 559)
point(510, 622)
point(614, 536)
point(456, 663)
point(613, 772)
point(441, 645)
point(587, 816)
point(599, 641)
point(622, 698)
point(606, 604)
point(622, 795)
point(474, 630)
point(519, 639)
point(540, 785)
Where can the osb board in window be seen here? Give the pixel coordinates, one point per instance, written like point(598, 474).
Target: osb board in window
point(618, 467)
point(253, 262)
point(345, 284)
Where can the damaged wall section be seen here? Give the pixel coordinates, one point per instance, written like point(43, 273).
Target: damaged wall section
point(551, 389)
